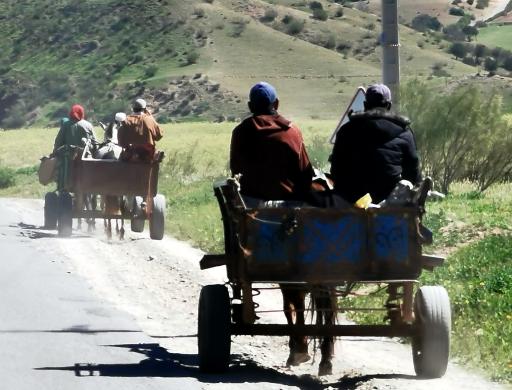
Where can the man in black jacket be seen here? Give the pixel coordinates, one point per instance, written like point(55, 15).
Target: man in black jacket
point(374, 150)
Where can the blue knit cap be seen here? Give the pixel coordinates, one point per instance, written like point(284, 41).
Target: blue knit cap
point(262, 94)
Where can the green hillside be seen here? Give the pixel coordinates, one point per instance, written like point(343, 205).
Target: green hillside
point(193, 59)
point(496, 35)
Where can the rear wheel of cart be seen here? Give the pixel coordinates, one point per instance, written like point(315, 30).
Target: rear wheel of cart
point(213, 333)
point(137, 222)
point(431, 343)
point(51, 210)
point(65, 220)
point(157, 218)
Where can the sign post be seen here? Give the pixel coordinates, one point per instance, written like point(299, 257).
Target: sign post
point(391, 48)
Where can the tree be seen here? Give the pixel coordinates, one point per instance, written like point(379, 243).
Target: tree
point(507, 64)
point(453, 32)
point(480, 51)
point(490, 64)
point(456, 11)
point(458, 49)
point(315, 5)
point(470, 31)
point(424, 22)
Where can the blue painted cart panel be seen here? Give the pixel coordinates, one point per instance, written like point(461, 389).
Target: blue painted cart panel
point(317, 245)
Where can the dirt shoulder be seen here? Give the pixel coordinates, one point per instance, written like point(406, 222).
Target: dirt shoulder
point(158, 282)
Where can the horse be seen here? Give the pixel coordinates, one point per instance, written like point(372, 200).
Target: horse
point(111, 204)
point(324, 304)
point(323, 298)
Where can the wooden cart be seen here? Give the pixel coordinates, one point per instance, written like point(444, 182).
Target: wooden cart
point(340, 249)
point(135, 183)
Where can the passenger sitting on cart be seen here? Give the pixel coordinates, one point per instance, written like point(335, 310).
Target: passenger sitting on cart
point(138, 133)
point(74, 132)
point(269, 153)
point(374, 150)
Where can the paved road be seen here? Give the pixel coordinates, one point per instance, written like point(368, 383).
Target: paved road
point(64, 321)
point(56, 334)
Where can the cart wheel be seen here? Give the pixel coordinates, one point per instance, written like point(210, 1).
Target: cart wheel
point(51, 210)
point(65, 222)
point(157, 218)
point(137, 223)
point(431, 343)
point(213, 333)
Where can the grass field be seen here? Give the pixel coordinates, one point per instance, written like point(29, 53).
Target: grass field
point(494, 35)
point(474, 230)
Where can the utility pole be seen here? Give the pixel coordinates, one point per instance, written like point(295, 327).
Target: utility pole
point(391, 48)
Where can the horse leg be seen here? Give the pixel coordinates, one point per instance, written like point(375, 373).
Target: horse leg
point(326, 305)
point(109, 229)
point(79, 206)
point(90, 206)
point(293, 307)
point(121, 232)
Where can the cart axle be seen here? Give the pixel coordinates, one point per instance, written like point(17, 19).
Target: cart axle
point(322, 330)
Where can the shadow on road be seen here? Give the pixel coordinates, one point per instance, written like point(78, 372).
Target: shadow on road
point(80, 329)
point(35, 232)
point(161, 363)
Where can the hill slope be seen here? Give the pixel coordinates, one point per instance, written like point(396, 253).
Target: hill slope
point(193, 59)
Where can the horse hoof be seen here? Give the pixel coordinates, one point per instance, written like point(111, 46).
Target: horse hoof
point(297, 358)
point(325, 368)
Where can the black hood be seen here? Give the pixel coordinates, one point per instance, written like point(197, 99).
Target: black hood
point(379, 124)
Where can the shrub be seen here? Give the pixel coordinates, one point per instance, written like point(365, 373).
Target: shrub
point(315, 5)
point(424, 22)
point(330, 42)
point(150, 71)
point(15, 116)
point(192, 57)
point(458, 49)
point(269, 16)
point(460, 135)
point(507, 64)
point(344, 46)
point(456, 11)
point(490, 64)
point(481, 4)
point(199, 12)
point(7, 177)
point(287, 19)
point(480, 51)
point(295, 26)
point(453, 32)
point(468, 60)
point(320, 14)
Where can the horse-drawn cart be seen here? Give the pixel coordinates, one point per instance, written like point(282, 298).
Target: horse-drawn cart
point(337, 249)
point(133, 183)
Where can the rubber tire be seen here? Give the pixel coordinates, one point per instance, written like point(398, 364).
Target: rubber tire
point(137, 224)
point(65, 221)
point(431, 344)
point(213, 329)
point(51, 210)
point(157, 218)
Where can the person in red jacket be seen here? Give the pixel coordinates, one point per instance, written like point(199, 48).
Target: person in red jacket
point(269, 152)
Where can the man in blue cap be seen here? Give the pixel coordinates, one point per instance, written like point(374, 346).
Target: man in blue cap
point(374, 150)
point(269, 152)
